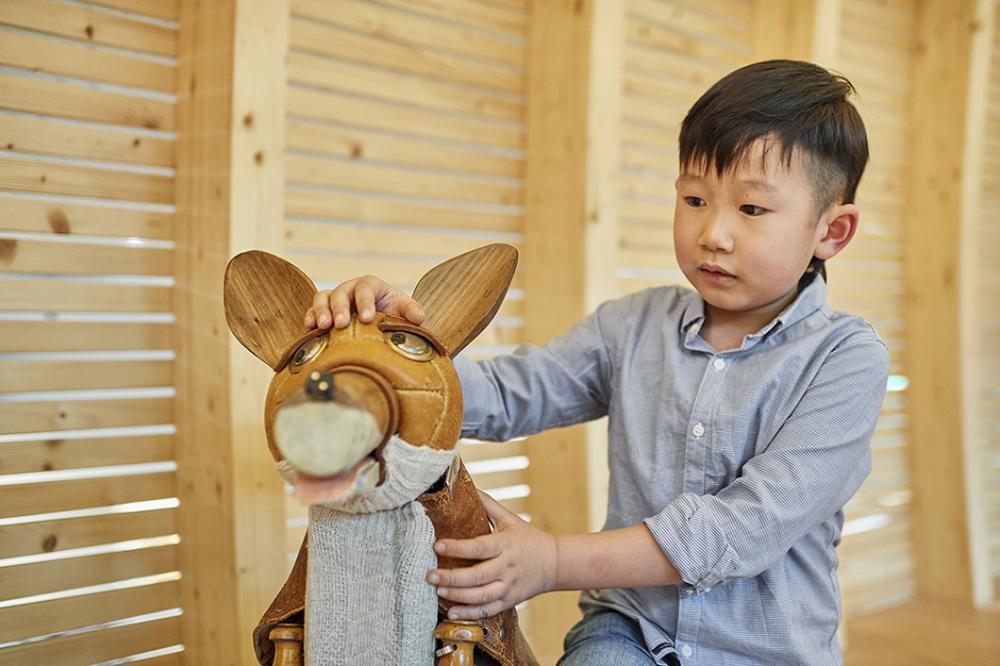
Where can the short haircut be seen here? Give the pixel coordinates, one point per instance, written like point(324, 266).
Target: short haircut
point(798, 105)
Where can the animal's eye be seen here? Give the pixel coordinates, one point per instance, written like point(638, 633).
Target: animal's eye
point(410, 345)
point(306, 352)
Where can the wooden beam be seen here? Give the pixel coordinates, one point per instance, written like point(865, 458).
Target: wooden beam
point(575, 64)
point(796, 29)
point(935, 286)
point(231, 120)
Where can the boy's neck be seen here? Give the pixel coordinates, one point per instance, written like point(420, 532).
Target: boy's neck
point(724, 330)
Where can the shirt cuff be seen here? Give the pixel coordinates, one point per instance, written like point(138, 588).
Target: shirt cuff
point(693, 542)
point(475, 389)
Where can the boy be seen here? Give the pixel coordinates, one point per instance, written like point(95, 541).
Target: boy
point(740, 414)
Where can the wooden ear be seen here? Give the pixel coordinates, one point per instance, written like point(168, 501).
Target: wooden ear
point(461, 296)
point(266, 299)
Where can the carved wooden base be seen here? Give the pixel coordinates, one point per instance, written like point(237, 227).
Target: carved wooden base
point(287, 644)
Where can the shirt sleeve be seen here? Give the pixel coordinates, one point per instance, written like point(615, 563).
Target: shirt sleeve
point(536, 388)
point(811, 468)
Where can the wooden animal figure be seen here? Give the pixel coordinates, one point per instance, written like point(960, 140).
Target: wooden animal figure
point(363, 422)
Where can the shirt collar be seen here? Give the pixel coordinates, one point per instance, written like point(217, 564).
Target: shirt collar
point(810, 299)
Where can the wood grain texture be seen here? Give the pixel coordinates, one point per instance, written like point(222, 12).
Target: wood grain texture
point(266, 299)
point(461, 296)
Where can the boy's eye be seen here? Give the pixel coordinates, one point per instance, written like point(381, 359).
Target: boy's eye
point(694, 202)
point(751, 210)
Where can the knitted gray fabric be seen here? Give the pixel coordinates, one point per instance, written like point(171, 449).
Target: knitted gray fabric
point(367, 600)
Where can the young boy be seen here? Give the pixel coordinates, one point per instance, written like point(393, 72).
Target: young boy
point(740, 414)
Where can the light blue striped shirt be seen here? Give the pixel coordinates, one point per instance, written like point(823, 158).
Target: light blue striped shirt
point(738, 462)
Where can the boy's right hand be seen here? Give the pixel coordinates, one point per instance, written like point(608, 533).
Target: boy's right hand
point(363, 295)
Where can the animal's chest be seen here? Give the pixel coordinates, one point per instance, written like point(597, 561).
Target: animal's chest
point(367, 600)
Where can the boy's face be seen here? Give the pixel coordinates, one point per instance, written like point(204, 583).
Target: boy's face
point(744, 239)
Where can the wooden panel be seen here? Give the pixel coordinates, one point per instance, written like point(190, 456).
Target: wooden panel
point(100, 645)
point(43, 336)
point(488, 450)
point(34, 498)
point(67, 218)
point(69, 375)
point(360, 238)
point(361, 144)
point(63, 454)
point(48, 617)
point(468, 12)
point(328, 40)
point(56, 535)
point(20, 93)
point(339, 107)
point(49, 178)
point(671, 41)
point(410, 28)
point(53, 138)
point(348, 206)
point(62, 295)
point(398, 88)
point(65, 58)
point(30, 256)
point(161, 9)
point(77, 414)
point(398, 270)
point(372, 178)
point(79, 22)
point(43, 577)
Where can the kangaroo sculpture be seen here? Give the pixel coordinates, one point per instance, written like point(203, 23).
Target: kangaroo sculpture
point(363, 422)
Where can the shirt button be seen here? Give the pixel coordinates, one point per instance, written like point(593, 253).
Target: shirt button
point(698, 430)
point(719, 364)
point(686, 650)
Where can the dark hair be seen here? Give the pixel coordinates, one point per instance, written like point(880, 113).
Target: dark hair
point(798, 105)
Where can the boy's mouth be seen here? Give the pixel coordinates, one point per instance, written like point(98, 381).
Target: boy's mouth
point(716, 273)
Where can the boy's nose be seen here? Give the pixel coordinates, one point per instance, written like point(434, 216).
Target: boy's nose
point(715, 236)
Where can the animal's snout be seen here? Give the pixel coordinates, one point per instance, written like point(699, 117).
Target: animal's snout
point(320, 385)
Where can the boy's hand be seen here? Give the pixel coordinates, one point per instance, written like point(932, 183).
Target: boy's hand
point(518, 562)
point(364, 295)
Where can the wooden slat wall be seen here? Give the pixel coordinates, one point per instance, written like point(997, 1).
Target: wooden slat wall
point(88, 563)
point(875, 53)
point(405, 147)
point(674, 51)
point(987, 296)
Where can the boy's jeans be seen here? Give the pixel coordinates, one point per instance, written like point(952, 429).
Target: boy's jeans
point(605, 637)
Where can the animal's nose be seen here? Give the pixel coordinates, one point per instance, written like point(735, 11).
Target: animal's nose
point(320, 386)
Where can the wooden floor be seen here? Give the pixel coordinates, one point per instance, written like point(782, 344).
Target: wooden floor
point(925, 633)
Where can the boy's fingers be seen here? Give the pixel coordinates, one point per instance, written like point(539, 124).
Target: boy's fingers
point(473, 595)
point(412, 310)
point(364, 300)
point(497, 512)
point(475, 576)
point(476, 612)
point(340, 306)
point(480, 548)
point(320, 309)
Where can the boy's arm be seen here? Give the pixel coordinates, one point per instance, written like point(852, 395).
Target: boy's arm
point(536, 388)
point(808, 472)
point(812, 467)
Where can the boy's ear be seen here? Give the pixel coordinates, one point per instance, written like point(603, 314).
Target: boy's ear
point(266, 299)
point(461, 296)
point(840, 224)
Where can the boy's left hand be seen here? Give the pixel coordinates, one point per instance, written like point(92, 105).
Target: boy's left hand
point(518, 562)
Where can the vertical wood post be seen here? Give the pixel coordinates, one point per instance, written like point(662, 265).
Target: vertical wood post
point(574, 88)
point(936, 295)
point(231, 120)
